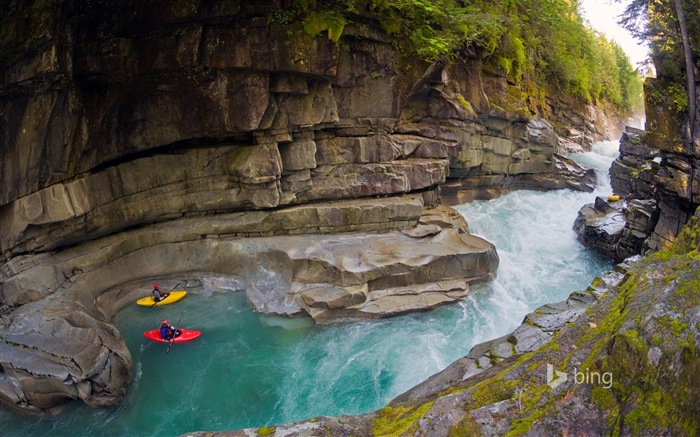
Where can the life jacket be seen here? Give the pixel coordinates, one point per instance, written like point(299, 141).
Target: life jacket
point(164, 330)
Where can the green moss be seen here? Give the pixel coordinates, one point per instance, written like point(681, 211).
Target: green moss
point(522, 425)
point(462, 101)
point(491, 391)
point(465, 427)
point(451, 390)
point(532, 397)
point(603, 398)
point(329, 21)
point(677, 327)
point(597, 282)
point(654, 401)
point(688, 350)
point(266, 430)
point(398, 421)
point(651, 413)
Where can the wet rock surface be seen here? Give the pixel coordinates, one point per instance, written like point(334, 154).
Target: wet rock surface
point(658, 194)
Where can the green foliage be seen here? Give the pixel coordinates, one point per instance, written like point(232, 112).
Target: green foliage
point(432, 29)
point(529, 39)
point(656, 22)
point(282, 16)
point(544, 42)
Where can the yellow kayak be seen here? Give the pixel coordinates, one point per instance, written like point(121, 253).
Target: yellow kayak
point(614, 198)
point(174, 296)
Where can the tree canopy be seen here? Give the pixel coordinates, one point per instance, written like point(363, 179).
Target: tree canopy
point(545, 41)
point(670, 28)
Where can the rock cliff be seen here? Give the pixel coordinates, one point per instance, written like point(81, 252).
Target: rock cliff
point(657, 176)
point(185, 141)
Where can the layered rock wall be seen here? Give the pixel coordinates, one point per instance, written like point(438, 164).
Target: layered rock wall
point(657, 176)
point(187, 144)
point(492, 150)
point(181, 141)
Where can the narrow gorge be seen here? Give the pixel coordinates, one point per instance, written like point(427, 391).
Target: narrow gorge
point(303, 163)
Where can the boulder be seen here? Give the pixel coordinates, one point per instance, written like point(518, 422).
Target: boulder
point(57, 350)
point(599, 226)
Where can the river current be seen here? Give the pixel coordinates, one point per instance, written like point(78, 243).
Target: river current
point(251, 370)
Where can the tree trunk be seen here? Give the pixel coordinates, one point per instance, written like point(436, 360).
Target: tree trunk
point(689, 65)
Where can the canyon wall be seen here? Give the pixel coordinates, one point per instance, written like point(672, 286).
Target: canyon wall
point(207, 144)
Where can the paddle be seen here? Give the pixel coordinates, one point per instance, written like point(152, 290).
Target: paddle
point(154, 303)
point(172, 340)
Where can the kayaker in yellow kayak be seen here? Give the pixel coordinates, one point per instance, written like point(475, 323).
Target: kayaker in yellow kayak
point(157, 294)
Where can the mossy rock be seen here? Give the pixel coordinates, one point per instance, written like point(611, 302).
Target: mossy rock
point(318, 22)
point(264, 431)
point(399, 421)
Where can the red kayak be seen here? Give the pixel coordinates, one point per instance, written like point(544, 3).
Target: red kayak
point(185, 335)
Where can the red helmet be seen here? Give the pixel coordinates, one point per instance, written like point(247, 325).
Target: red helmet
point(164, 322)
point(156, 286)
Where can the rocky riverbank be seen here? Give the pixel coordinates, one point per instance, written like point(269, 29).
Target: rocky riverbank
point(622, 356)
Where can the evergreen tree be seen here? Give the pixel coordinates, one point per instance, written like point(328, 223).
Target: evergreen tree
point(663, 23)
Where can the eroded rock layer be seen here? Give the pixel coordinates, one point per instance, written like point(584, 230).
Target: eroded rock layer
point(193, 140)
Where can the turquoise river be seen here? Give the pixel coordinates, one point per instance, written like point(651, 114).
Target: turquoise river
point(251, 370)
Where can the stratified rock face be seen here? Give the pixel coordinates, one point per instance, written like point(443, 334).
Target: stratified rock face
point(205, 144)
point(669, 178)
point(169, 139)
point(492, 151)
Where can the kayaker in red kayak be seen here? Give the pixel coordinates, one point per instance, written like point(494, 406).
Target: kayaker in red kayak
point(167, 331)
